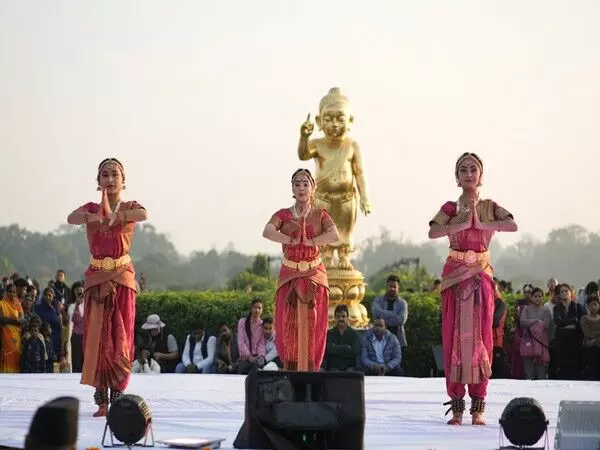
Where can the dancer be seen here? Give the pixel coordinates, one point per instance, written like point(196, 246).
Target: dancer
point(302, 297)
point(110, 289)
point(468, 288)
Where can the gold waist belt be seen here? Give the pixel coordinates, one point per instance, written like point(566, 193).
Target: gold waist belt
point(302, 266)
point(470, 256)
point(109, 264)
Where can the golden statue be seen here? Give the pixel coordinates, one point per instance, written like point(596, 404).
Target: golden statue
point(341, 187)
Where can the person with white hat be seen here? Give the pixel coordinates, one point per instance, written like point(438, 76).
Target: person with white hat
point(162, 344)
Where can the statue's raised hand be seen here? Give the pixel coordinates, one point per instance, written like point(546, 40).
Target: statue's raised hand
point(365, 207)
point(307, 127)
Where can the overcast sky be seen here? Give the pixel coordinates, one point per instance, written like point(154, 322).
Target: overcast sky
point(202, 101)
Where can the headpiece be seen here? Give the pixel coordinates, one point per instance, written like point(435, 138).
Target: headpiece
point(465, 156)
point(303, 171)
point(108, 161)
point(334, 97)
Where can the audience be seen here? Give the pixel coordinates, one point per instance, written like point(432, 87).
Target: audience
point(556, 336)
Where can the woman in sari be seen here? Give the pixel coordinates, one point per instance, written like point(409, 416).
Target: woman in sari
point(11, 321)
point(468, 288)
point(302, 296)
point(110, 288)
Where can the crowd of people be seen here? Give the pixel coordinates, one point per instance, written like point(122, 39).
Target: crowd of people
point(556, 335)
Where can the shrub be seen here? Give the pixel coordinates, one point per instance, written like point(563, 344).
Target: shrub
point(179, 310)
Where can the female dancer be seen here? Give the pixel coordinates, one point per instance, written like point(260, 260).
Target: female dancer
point(468, 288)
point(302, 297)
point(110, 289)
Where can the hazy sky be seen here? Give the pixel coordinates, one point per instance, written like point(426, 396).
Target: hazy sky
point(203, 100)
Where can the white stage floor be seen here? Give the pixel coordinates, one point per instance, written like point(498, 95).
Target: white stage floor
point(401, 412)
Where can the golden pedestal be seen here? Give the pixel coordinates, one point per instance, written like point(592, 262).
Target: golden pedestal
point(348, 287)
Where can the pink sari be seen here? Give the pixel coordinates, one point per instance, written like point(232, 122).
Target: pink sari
point(302, 297)
point(109, 312)
point(468, 304)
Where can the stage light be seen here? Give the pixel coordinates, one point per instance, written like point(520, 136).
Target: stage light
point(129, 420)
point(524, 423)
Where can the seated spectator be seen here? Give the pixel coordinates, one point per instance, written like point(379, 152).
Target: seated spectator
point(162, 344)
point(343, 344)
point(144, 363)
point(227, 351)
point(199, 352)
point(33, 356)
point(271, 360)
point(590, 326)
point(380, 352)
point(250, 337)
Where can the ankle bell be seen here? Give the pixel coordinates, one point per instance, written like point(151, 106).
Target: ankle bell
point(477, 405)
point(457, 405)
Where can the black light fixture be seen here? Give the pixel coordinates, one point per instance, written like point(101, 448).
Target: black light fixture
point(524, 423)
point(129, 420)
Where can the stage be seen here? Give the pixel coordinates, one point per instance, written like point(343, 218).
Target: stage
point(401, 412)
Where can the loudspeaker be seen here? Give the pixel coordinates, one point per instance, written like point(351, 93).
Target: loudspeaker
point(299, 410)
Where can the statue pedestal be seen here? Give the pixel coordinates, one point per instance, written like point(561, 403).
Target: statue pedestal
point(348, 287)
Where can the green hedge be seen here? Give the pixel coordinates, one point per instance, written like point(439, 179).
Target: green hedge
point(179, 310)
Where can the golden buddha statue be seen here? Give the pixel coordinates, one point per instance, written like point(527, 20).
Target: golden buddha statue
point(341, 188)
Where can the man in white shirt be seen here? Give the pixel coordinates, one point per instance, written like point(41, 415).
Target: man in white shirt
point(199, 352)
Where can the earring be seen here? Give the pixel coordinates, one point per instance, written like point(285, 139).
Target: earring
point(124, 187)
point(98, 188)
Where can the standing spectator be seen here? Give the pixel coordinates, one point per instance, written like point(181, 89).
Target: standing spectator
point(61, 290)
point(75, 313)
point(393, 309)
point(11, 322)
point(568, 340)
point(48, 312)
point(535, 321)
point(590, 327)
point(33, 357)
